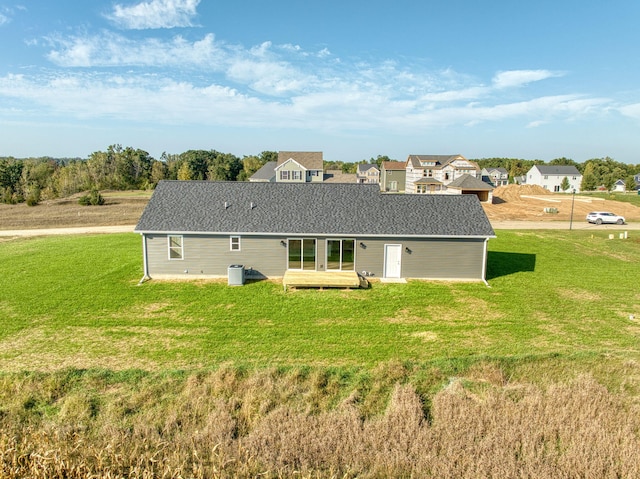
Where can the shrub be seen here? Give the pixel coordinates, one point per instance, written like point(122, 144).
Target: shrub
point(33, 198)
point(93, 198)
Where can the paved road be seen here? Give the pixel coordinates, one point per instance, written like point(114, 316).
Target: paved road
point(560, 225)
point(497, 225)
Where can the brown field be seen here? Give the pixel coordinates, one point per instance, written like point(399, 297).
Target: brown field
point(120, 208)
point(274, 424)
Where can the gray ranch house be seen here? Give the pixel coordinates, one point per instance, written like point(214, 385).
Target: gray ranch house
point(197, 229)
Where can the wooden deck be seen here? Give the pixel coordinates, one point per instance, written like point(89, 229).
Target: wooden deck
point(323, 279)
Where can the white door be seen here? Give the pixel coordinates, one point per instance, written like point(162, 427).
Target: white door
point(392, 260)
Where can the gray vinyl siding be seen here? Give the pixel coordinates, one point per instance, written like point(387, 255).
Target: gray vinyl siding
point(210, 255)
point(444, 259)
point(430, 258)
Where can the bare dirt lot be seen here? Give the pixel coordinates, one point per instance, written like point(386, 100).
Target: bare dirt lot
point(528, 203)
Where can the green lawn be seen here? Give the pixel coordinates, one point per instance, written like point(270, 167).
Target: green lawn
point(631, 197)
point(75, 302)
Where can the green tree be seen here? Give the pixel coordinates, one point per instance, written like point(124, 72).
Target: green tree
point(184, 173)
point(629, 183)
point(10, 172)
point(159, 172)
point(564, 185)
point(589, 181)
point(223, 167)
point(250, 164)
point(608, 181)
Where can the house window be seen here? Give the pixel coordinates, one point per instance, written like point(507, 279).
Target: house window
point(284, 175)
point(234, 243)
point(175, 247)
point(341, 254)
point(421, 189)
point(296, 175)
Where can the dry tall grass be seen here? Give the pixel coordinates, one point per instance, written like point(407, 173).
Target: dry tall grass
point(231, 423)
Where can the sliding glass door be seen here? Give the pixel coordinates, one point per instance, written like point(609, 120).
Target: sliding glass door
point(341, 254)
point(302, 254)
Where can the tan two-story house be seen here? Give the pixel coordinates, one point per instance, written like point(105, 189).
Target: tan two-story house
point(299, 167)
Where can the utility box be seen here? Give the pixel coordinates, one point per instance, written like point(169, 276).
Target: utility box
point(235, 274)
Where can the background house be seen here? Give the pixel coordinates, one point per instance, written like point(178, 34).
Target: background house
point(550, 177)
point(299, 167)
point(367, 173)
point(393, 176)
point(196, 229)
point(470, 185)
point(437, 171)
point(495, 176)
point(619, 185)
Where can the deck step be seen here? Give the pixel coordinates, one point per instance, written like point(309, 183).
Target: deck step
point(323, 279)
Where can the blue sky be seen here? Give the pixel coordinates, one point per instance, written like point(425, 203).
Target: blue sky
point(354, 79)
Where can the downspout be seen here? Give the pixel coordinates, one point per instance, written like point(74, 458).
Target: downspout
point(144, 260)
point(484, 263)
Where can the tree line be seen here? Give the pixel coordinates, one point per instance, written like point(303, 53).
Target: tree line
point(596, 172)
point(128, 168)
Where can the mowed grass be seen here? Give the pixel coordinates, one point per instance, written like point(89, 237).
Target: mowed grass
point(75, 302)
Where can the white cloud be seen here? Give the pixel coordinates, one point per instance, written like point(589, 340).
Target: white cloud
point(111, 50)
point(206, 82)
point(344, 106)
point(516, 78)
point(155, 14)
point(632, 111)
point(3, 19)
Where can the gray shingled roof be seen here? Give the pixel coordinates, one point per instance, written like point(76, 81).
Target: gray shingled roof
point(266, 172)
point(468, 182)
point(364, 167)
point(558, 170)
point(332, 209)
point(439, 160)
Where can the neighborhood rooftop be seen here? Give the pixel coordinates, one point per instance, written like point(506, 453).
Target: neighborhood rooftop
point(557, 170)
point(333, 209)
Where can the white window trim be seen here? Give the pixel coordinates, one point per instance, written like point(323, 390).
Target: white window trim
point(170, 248)
point(231, 244)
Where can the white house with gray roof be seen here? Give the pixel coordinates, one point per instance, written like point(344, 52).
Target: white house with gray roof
point(197, 229)
point(550, 177)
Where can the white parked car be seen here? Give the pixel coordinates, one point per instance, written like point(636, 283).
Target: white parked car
point(599, 217)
